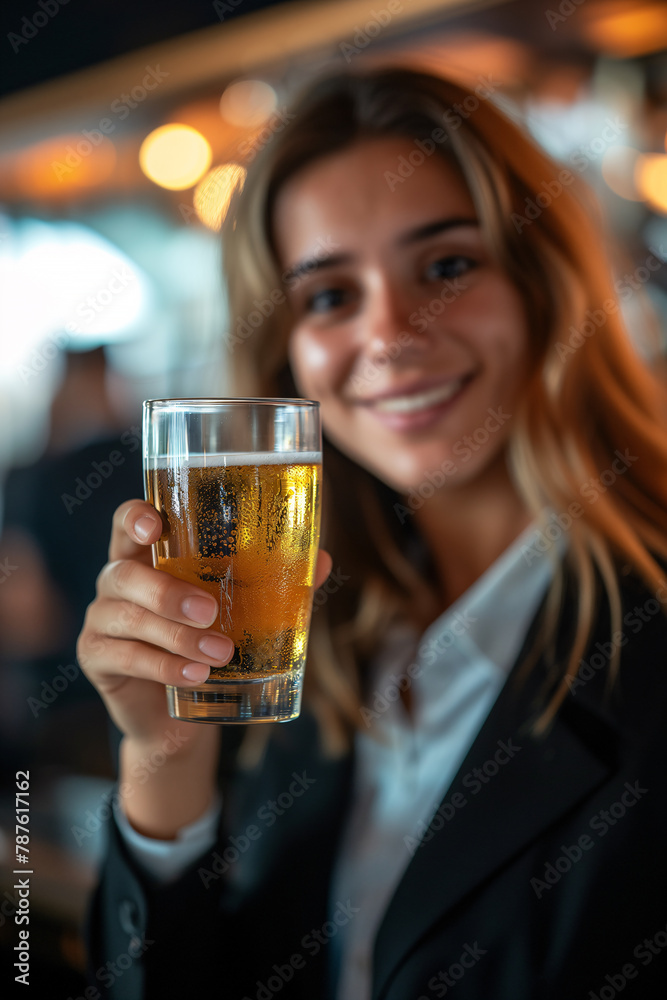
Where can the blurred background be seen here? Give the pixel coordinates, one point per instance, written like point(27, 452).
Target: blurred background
point(122, 130)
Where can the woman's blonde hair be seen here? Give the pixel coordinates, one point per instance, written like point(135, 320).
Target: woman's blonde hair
point(590, 394)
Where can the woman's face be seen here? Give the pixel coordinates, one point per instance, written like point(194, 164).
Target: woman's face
point(406, 331)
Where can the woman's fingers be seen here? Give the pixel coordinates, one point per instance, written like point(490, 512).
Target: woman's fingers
point(146, 623)
point(134, 583)
point(136, 524)
point(129, 580)
point(323, 567)
point(110, 619)
point(127, 658)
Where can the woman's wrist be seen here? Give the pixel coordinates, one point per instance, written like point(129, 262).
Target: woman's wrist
point(164, 787)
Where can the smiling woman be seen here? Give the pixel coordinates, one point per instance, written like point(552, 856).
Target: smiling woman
point(486, 673)
point(351, 310)
point(455, 311)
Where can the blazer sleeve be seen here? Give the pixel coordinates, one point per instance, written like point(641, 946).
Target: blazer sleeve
point(244, 905)
point(134, 949)
point(146, 938)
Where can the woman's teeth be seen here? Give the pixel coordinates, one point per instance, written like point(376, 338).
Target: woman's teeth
point(419, 400)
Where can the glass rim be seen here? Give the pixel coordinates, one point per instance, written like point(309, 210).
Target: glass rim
point(197, 402)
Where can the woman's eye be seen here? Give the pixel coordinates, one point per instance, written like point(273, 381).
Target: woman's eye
point(326, 300)
point(449, 267)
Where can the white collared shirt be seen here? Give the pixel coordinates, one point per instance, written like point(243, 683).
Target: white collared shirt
point(403, 764)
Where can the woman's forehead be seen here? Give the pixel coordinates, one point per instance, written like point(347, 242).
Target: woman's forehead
point(353, 195)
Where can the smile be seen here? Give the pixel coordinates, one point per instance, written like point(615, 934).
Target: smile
point(419, 400)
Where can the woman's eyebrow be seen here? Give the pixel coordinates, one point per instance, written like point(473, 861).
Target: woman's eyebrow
point(309, 265)
point(433, 228)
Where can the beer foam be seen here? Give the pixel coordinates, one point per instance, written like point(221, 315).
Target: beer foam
point(211, 460)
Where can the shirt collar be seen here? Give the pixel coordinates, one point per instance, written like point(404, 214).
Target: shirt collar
point(492, 617)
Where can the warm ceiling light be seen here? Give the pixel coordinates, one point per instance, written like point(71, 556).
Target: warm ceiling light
point(618, 167)
point(214, 193)
point(629, 32)
point(60, 167)
point(248, 103)
point(175, 156)
point(651, 180)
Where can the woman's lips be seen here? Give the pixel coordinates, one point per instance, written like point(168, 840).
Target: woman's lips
point(412, 402)
point(416, 410)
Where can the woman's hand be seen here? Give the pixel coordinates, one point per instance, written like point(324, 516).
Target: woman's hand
point(146, 629)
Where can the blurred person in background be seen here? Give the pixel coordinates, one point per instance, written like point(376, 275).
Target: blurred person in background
point(53, 532)
point(474, 793)
point(52, 723)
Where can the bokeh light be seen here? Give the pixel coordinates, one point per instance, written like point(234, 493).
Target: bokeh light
point(66, 284)
point(175, 156)
point(636, 30)
point(651, 179)
point(618, 170)
point(214, 193)
point(248, 103)
point(56, 168)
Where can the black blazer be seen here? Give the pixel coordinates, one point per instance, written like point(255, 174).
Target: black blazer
point(546, 880)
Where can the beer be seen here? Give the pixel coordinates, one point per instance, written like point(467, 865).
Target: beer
point(245, 528)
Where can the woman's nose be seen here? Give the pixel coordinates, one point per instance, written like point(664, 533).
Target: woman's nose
point(386, 327)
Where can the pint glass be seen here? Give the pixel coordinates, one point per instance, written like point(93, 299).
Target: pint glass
point(237, 484)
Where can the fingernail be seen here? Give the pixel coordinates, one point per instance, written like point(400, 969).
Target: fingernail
point(144, 527)
point(199, 609)
point(196, 672)
point(218, 647)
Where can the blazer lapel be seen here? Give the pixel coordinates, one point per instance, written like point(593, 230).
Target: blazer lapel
point(538, 779)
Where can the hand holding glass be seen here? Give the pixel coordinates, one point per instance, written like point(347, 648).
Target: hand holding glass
point(237, 483)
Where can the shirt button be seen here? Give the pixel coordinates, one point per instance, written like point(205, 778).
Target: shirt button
point(128, 914)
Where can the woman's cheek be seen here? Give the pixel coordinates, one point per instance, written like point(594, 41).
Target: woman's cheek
point(313, 363)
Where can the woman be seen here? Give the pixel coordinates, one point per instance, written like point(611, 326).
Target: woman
point(472, 796)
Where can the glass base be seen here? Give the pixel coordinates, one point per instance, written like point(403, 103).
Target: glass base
point(276, 698)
